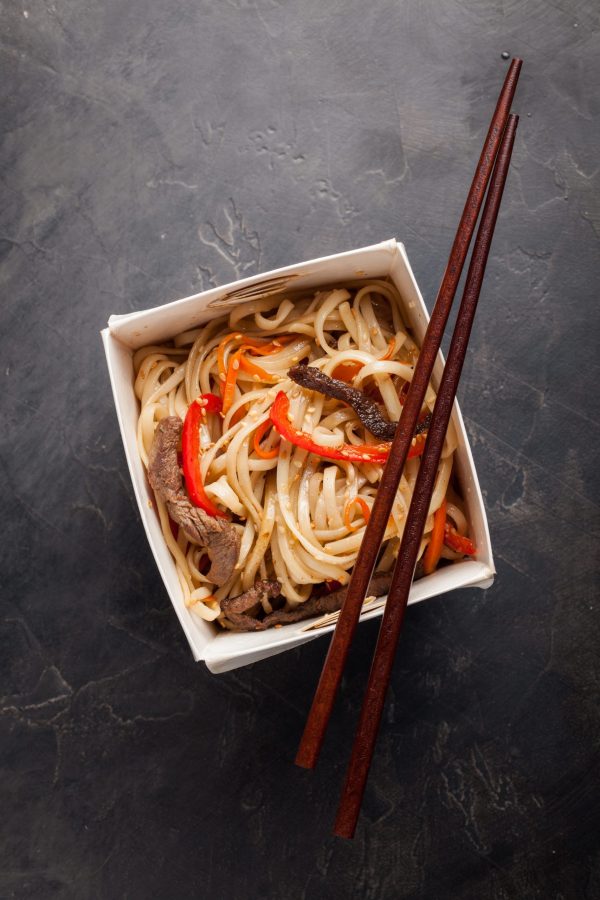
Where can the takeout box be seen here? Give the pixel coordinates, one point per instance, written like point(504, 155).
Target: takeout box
point(223, 650)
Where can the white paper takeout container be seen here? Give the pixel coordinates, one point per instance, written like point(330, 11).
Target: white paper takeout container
point(224, 650)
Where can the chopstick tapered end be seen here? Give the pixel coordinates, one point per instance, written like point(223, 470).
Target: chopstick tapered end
point(345, 825)
point(389, 632)
point(320, 713)
point(305, 760)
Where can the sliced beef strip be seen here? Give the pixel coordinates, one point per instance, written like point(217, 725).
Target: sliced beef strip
point(221, 539)
point(243, 622)
point(366, 409)
point(262, 590)
point(318, 606)
point(240, 610)
point(163, 467)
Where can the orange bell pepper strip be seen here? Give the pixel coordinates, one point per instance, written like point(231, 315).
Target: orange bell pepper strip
point(347, 371)
point(238, 361)
point(258, 347)
point(231, 380)
point(221, 351)
point(258, 436)
point(390, 350)
point(436, 541)
point(246, 365)
point(366, 511)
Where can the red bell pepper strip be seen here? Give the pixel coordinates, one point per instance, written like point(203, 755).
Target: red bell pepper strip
point(375, 453)
point(209, 403)
point(457, 542)
point(418, 445)
point(190, 447)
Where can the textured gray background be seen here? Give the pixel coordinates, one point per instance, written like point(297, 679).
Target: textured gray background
point(153, 149)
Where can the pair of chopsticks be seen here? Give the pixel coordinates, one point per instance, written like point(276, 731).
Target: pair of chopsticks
point(497, 150)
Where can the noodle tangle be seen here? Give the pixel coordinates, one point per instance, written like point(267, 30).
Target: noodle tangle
point(300, 517)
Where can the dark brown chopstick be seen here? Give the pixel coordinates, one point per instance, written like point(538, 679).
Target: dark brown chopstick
point(391, 623)
point(331, 675)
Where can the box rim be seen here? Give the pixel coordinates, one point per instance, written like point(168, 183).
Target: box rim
point(217, 662)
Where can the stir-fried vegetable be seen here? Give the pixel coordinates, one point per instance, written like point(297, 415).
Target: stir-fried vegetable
point(240, 361)
point(457, 542)
point(436, 541)
point(190, 448)
point(365, 509)
point(373, 453)
point(258, 436)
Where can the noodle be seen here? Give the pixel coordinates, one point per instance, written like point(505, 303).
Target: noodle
point(290, 506)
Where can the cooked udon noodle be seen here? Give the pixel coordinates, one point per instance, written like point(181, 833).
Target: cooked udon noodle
point(301, 517)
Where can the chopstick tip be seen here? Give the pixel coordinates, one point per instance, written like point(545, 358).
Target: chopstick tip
point(304, 760)
point(341, 830)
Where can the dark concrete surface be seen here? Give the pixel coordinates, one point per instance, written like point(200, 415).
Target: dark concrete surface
point(151, 149)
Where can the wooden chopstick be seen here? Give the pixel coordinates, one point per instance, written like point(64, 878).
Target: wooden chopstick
point(331, 675)
point(391, 623)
